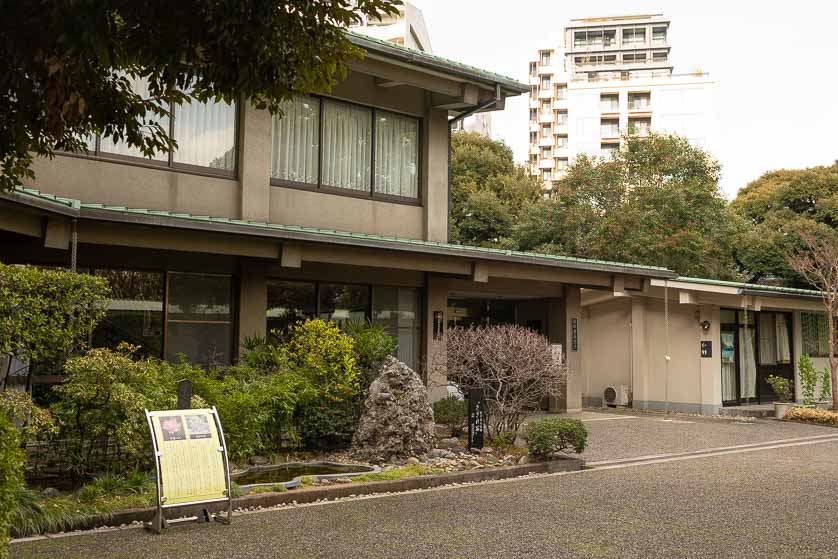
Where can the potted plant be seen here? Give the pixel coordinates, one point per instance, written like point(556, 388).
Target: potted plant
point(782, 389)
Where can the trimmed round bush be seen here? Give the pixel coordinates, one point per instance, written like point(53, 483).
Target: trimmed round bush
point(556, 434)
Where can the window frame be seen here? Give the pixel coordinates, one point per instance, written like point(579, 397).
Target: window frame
point(362, 194)
point(169, 164)
point(821, 316)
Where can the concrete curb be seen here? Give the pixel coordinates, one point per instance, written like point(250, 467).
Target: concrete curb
point(314, 494)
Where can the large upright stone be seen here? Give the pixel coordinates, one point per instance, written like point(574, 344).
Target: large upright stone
point(398, 420)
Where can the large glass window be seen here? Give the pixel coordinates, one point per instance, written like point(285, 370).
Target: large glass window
point(347, 145)
point(290, 302)
point(327, 143)
point(199, 321)
point(396, 155)
point(343, 303)
point(815, 334)
point(205, 134)
point(296, 141)
point(398, 310)
point(135, 312)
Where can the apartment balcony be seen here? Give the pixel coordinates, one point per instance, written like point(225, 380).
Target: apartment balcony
point(534, 149)
point(546, 164)
point(534, 80)
point(546, 70)
point(534, 126)
point(546, 117)
point(609, 133)
point(562, 152)
point(560, 127)
point(560, 104)
point(545, 93)
point(546, 142)
point(534, 104)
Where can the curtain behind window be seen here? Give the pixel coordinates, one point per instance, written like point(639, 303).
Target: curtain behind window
point(347, 146)
point(108, 145)
point(295, 142)
point(396, 155)
point(206, 135)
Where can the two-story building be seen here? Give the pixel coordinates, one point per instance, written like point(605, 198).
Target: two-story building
point(338, 209)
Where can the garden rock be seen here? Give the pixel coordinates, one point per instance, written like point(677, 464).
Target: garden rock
point(449, 442)
point(441, 453)
point(50, 492)
point(398, 420)
point(526, 459)
point(258, 460)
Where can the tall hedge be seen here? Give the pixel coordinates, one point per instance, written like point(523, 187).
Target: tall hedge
point(45, 313)
point(11, 478)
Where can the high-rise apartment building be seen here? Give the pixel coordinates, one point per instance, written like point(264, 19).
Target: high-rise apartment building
point(611, 75)
point(408, 28)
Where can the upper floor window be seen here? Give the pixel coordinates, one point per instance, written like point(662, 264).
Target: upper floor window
point(659, 35)
point(659, 57)
point(638, 101)
point(634, 36)
point(545, 58)
point(609, 102)
point(545, 82)
point(205, 134)
point(324, 143)
point(561, 92)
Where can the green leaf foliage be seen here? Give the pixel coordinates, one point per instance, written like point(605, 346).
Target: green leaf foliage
point(371, 346)
point(808, 379)
point(773, 209)
point(44, 314)
point(63, 66)
point(452, 412)
point(548, 436)
point(11, 479)
point(657, 202)
point(488, 190)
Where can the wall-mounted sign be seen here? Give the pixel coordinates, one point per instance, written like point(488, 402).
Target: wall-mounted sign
point(438, 325)
point(574, 334)
point(706, 349)
point(191, 461)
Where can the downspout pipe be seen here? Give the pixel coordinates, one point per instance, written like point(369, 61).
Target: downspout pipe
point(451, 122)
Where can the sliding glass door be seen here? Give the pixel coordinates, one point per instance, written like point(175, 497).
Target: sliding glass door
point(753, 347)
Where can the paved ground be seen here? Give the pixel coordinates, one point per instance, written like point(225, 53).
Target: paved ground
point(620, 435)
point(779, 502)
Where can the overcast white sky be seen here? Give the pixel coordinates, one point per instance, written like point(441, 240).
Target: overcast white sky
point(775, 65)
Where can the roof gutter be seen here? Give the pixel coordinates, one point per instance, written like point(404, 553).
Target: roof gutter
point(465, 114)
point(780, 294)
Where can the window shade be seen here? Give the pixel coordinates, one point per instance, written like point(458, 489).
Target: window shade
point(295, 141)
point(347, 146)
point(396, 155)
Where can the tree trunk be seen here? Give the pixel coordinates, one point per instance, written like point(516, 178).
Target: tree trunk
point(833, 361)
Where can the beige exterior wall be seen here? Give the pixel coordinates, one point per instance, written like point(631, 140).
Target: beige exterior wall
point(250, 196)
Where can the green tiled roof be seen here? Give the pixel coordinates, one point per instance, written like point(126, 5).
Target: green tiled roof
point(752, 286)
point(431, 60)
point(326, 234)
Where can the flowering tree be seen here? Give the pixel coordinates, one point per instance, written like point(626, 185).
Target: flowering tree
point(513, 365)
point(817, 263)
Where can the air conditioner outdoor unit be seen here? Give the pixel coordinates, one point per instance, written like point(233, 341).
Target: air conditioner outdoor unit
point(616, 395)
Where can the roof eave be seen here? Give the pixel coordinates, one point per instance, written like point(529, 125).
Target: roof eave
point(510, 87)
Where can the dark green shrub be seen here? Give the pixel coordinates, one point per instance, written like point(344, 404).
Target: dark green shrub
point(11, 479)
point(808, 379)
point(371, 346)
point(322, 360)
point(556, 434)
point(102, 403)
point(452, 412)
point(781, 387)
point(504, 440)
point(44, 314)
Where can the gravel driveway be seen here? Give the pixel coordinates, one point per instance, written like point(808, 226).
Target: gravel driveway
point(768, 503)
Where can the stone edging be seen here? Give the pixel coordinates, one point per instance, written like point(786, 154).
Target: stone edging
point(314, 494)
point(801, 422)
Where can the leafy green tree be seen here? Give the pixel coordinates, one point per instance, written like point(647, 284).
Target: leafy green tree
point(64, 65)
point(44, 314)
point(656, 202)
point(775, 208)
point(488, 190)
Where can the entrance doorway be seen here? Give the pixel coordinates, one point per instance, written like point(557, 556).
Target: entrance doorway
point(754, 345)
